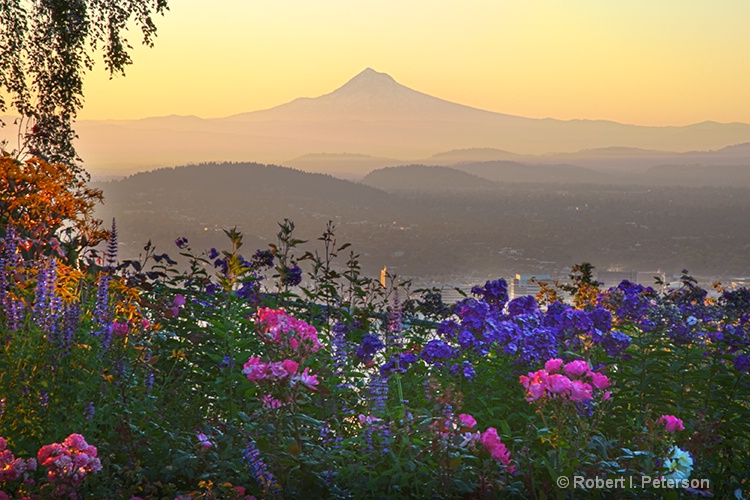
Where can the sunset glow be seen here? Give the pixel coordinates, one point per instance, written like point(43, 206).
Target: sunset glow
point(639, 62)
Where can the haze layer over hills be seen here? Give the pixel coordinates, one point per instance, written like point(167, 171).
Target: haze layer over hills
point(456, 226)
point(373, 116)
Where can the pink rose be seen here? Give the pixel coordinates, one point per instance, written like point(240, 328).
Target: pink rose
point(467, 420)
point(577, 368)
point(489, 438)
point(491, 441)
point(580, 391)
point(559, 384)
point(290, 366)
point(48, 453)
point(553, 365)
point(255, 369)
point(671, 423)
point(536, 391)
point(75, 441)
point(599, 380)
point(537, 384)
point(278, 371)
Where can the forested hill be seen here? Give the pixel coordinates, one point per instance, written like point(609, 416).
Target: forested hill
point(238, 180)
point(497, 229)
point(425, 178)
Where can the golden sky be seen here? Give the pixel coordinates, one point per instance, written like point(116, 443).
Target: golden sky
point(663, 62)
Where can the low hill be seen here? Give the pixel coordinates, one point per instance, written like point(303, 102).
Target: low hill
point(424, 178)
point(197, 201)
point(514, 172)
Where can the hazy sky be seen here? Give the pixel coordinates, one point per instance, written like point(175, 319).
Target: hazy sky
point(664, 62)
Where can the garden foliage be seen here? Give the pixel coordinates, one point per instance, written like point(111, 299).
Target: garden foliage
point(284, 372)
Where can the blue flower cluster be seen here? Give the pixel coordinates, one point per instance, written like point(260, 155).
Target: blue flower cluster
point(399, 362)
point(437, 352)
point(494, 293)
point(291, 276)
point(519, 328)
point(368, 347)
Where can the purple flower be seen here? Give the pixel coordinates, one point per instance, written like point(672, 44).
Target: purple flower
point(42, 312)
point(468, 370)
point(259, 469)
point(615, 343)
point(101, 310)
point(262, 258)
point(466, 339)
point(89, 411)
point(340, 347)
point(448, 329)
point(435, 351)
point(378, 387)
point(292, 276)
point(494, 293)
point(742, 363)
point(181, 242)
point(369, 346)
point(226, 362)
point(522, 305)
point(398, 363)
point(149, 382)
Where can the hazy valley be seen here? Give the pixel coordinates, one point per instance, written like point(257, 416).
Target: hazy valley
point(433, 189)
point(441, 225)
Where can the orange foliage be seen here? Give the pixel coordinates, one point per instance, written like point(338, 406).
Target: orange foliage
point(41, 199)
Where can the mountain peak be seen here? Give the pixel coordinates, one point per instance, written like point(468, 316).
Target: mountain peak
point(368, 80)
point(372, 95)
point(370, 74)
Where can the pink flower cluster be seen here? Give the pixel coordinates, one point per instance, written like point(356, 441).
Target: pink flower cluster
point(70, 460)
point(574, 381)
point(671, 423)
point(492, 443)
point(257, 371)
point(281, 328)
point(12, 468)
point(464, 428)
point(289, 333)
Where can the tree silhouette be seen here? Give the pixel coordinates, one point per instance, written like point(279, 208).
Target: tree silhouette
point(45, 50)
